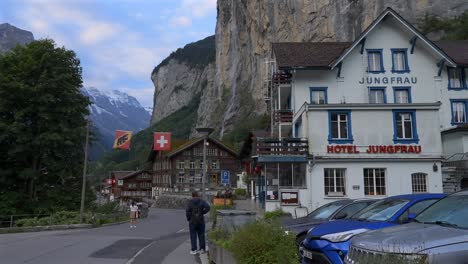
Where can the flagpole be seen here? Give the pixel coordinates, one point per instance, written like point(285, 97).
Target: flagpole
point(83, 189)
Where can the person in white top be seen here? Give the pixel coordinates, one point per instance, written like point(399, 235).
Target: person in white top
point(133, 215)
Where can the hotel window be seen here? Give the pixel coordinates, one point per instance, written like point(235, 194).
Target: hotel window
point(339, 127)
point(419, 182)
point(201, 164)
point(374, 182)
point(211, 151)
point(404, 122)
point(181, 165)
point(375, 61)
point(456, 78)
point(214, 165)
point(400, 61)
point(402, 95)
point(377, 95)
point(318, 95)
point(181, 178)
point(192, 164)
point(459, 111)
point(335, 184)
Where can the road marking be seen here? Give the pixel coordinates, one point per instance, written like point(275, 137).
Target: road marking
point(181, 231)
point(139, 252)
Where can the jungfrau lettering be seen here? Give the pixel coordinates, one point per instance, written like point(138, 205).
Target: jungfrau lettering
point(375, 149)
point(388, 80)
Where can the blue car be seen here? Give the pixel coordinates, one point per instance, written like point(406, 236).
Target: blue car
point(329, 242)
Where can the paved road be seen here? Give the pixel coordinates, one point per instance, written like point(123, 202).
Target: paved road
point(154, 241)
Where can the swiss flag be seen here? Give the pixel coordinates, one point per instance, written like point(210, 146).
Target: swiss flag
point(162, 141)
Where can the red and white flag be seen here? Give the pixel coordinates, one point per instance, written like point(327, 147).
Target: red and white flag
point(162, 141)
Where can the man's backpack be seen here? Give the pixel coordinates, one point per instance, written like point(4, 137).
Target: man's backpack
point(197, 215)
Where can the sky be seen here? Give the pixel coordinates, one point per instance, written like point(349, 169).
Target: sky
point(119, 42)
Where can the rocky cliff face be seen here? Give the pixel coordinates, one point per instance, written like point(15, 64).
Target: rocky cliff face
point(231, 83)
point(187, 73)
point(10, 36)
point(245, 29)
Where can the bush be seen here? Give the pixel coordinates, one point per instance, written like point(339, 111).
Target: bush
point(274, 214)
point(240, 192)
point(263, 242)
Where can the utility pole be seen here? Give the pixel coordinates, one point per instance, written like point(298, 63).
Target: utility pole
point(83, 189)
point(205, 131)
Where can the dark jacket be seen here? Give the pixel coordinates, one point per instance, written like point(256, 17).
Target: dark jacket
point(195, 203)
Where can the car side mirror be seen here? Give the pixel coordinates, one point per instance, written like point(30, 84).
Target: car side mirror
point(341, 215)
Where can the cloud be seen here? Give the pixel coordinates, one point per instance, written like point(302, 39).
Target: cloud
point(92, 34)
point(199, 8)
point(181, 21)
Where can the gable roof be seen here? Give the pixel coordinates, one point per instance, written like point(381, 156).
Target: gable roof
point(121, 174)
point(175, 144)
point(456, 49)
point(293, 55)
point(416, 32)
point(195, 141)
point(134, 174)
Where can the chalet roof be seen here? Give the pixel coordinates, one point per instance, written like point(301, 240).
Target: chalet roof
point(121, 174)
point(327, 55)
point(293, 55)
point(456, 49)
point(195, 141)
point(175, 144)
point(134, 174)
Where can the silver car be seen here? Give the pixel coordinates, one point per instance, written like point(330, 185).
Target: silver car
point(437, 235)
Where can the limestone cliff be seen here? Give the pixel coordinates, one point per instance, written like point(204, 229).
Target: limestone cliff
point(230, 82)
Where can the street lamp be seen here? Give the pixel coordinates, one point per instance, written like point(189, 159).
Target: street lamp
point(205, 132)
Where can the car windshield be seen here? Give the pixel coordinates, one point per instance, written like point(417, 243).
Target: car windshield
point(381, 210)
point(327, 210)
point(451, 211)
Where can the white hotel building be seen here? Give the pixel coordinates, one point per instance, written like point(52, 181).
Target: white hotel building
point(377, 116)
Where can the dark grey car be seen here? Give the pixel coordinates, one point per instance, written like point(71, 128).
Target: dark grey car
point(438, 235)
point(332, 211)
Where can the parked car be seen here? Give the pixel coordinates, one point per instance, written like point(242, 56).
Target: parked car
point(437, 235)
point(332, 211)
point(329, 242)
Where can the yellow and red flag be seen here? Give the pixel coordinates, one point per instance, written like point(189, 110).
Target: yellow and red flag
point(162, 141)
point(122, 139)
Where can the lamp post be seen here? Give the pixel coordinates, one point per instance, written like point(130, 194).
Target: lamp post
point(83, 189)
point(205, 132)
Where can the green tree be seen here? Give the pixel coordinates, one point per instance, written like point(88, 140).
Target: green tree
point(42, 123)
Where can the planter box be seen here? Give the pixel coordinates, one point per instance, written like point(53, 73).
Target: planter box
point(222, 201)
point(220, 255)
point(233, 219)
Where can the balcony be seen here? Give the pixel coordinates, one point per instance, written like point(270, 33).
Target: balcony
point(281, 77)
point(282, 147)
point(284, 116)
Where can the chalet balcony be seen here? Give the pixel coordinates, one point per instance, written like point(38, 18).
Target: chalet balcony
point(282, 147)
point(284, 116)
point(281, 77)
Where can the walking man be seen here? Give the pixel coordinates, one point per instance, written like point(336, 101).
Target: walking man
point(196, 209)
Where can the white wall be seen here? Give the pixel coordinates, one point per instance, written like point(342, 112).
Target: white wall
point(371, 127)
point(398, 178)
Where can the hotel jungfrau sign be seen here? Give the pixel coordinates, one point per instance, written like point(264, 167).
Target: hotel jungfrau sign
point(374, 149)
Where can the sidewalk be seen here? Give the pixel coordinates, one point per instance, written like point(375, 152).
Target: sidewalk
point(182, 255)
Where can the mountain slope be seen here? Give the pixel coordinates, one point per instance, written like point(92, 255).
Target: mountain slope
point(110, 111)
point(10, 36)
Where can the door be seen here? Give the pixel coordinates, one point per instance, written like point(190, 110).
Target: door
point(464, 183)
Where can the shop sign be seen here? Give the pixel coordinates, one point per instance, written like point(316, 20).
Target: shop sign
point(374, 149)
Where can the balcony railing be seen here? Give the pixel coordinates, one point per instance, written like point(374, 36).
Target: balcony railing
point(289, 146)
point(281, 77)
point(284, 116)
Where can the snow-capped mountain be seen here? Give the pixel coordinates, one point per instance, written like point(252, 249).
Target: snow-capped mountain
point(113, 110)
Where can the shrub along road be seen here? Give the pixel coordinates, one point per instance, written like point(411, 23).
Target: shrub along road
point(151, 242)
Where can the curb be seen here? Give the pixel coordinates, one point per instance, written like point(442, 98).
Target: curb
point(116, 223)
point(44, 228)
